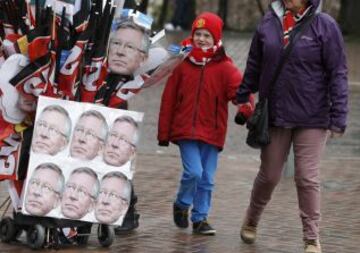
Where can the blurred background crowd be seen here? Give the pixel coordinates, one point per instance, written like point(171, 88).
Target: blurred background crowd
point(239, 15)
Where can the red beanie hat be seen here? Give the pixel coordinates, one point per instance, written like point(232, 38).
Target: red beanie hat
point(211, 22)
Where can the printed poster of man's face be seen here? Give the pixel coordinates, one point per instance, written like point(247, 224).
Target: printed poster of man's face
point(142, 61)
point(132, 52)
point(81, 161)
point(129, 45)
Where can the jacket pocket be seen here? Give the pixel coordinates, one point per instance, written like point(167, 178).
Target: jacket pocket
point(216, 112)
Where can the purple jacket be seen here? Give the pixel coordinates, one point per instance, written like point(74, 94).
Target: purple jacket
point(311, 89)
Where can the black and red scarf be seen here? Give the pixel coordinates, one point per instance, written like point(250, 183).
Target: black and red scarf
point(290, 20)
point(198, 55)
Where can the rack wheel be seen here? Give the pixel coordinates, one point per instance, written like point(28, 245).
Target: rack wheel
point(35, 236)
point(18, 232)
point(83, 235)
point(106, 235)
point(7, 229)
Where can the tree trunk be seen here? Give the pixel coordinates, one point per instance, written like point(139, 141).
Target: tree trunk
point(223, 4)
point(349, 17)
point(261, 8)
point(163, 13)
point(129, 4)
point(143, 6)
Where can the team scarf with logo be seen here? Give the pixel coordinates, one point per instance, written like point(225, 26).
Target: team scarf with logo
point(198, 55)
point(15, 141)
point(290, 20)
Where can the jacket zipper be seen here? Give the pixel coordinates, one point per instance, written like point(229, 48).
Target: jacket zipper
point(180, 99)
point(281, 31)
point(197, 99)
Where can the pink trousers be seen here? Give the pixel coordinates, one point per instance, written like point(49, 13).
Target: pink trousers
point(308, 145)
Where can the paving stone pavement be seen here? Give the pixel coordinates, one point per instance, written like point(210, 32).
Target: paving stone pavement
point(159, 168)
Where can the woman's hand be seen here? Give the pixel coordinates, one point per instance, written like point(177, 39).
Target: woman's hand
point(244, 112)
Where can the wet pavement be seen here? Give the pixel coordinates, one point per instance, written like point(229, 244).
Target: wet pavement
point(158, 171)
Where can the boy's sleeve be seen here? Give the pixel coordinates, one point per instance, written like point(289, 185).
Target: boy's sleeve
point(234, 80)
point(168, 101)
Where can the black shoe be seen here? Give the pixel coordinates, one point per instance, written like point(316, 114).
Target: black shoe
point(181, 217)
point(130, 223)
point(203, 228)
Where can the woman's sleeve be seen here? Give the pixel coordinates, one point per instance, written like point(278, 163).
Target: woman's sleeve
point(334, 59)
point(250, 81)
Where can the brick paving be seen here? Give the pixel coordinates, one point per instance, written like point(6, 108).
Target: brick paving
point(158, 171)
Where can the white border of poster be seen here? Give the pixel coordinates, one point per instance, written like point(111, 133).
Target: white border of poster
point(67, 164)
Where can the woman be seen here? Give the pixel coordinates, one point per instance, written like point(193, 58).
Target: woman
point(308, 100)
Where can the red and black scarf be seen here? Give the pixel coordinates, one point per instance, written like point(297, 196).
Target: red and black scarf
point(290, 20)
point(198, 55)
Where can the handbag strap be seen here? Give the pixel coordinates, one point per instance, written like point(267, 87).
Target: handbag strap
point(297, 32)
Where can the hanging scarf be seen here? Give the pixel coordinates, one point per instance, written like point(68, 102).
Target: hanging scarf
point(198, 55)
point(107, 92)
point(290, 20)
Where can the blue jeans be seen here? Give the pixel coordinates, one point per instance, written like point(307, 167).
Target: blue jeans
point(199, 161)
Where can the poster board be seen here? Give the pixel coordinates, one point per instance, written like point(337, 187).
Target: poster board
point(80, 165)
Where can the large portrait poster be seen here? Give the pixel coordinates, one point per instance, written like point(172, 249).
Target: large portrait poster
point(132, 51)
point(81, 161)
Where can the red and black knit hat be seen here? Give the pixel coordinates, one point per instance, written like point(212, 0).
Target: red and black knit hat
point(211, 22)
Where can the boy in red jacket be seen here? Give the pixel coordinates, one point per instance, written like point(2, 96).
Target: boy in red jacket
point(193, 115)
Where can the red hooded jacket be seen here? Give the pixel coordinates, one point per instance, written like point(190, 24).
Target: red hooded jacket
point(195, 100)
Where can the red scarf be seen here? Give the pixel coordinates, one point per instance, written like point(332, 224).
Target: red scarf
point(290, 20)
point(198, 55)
